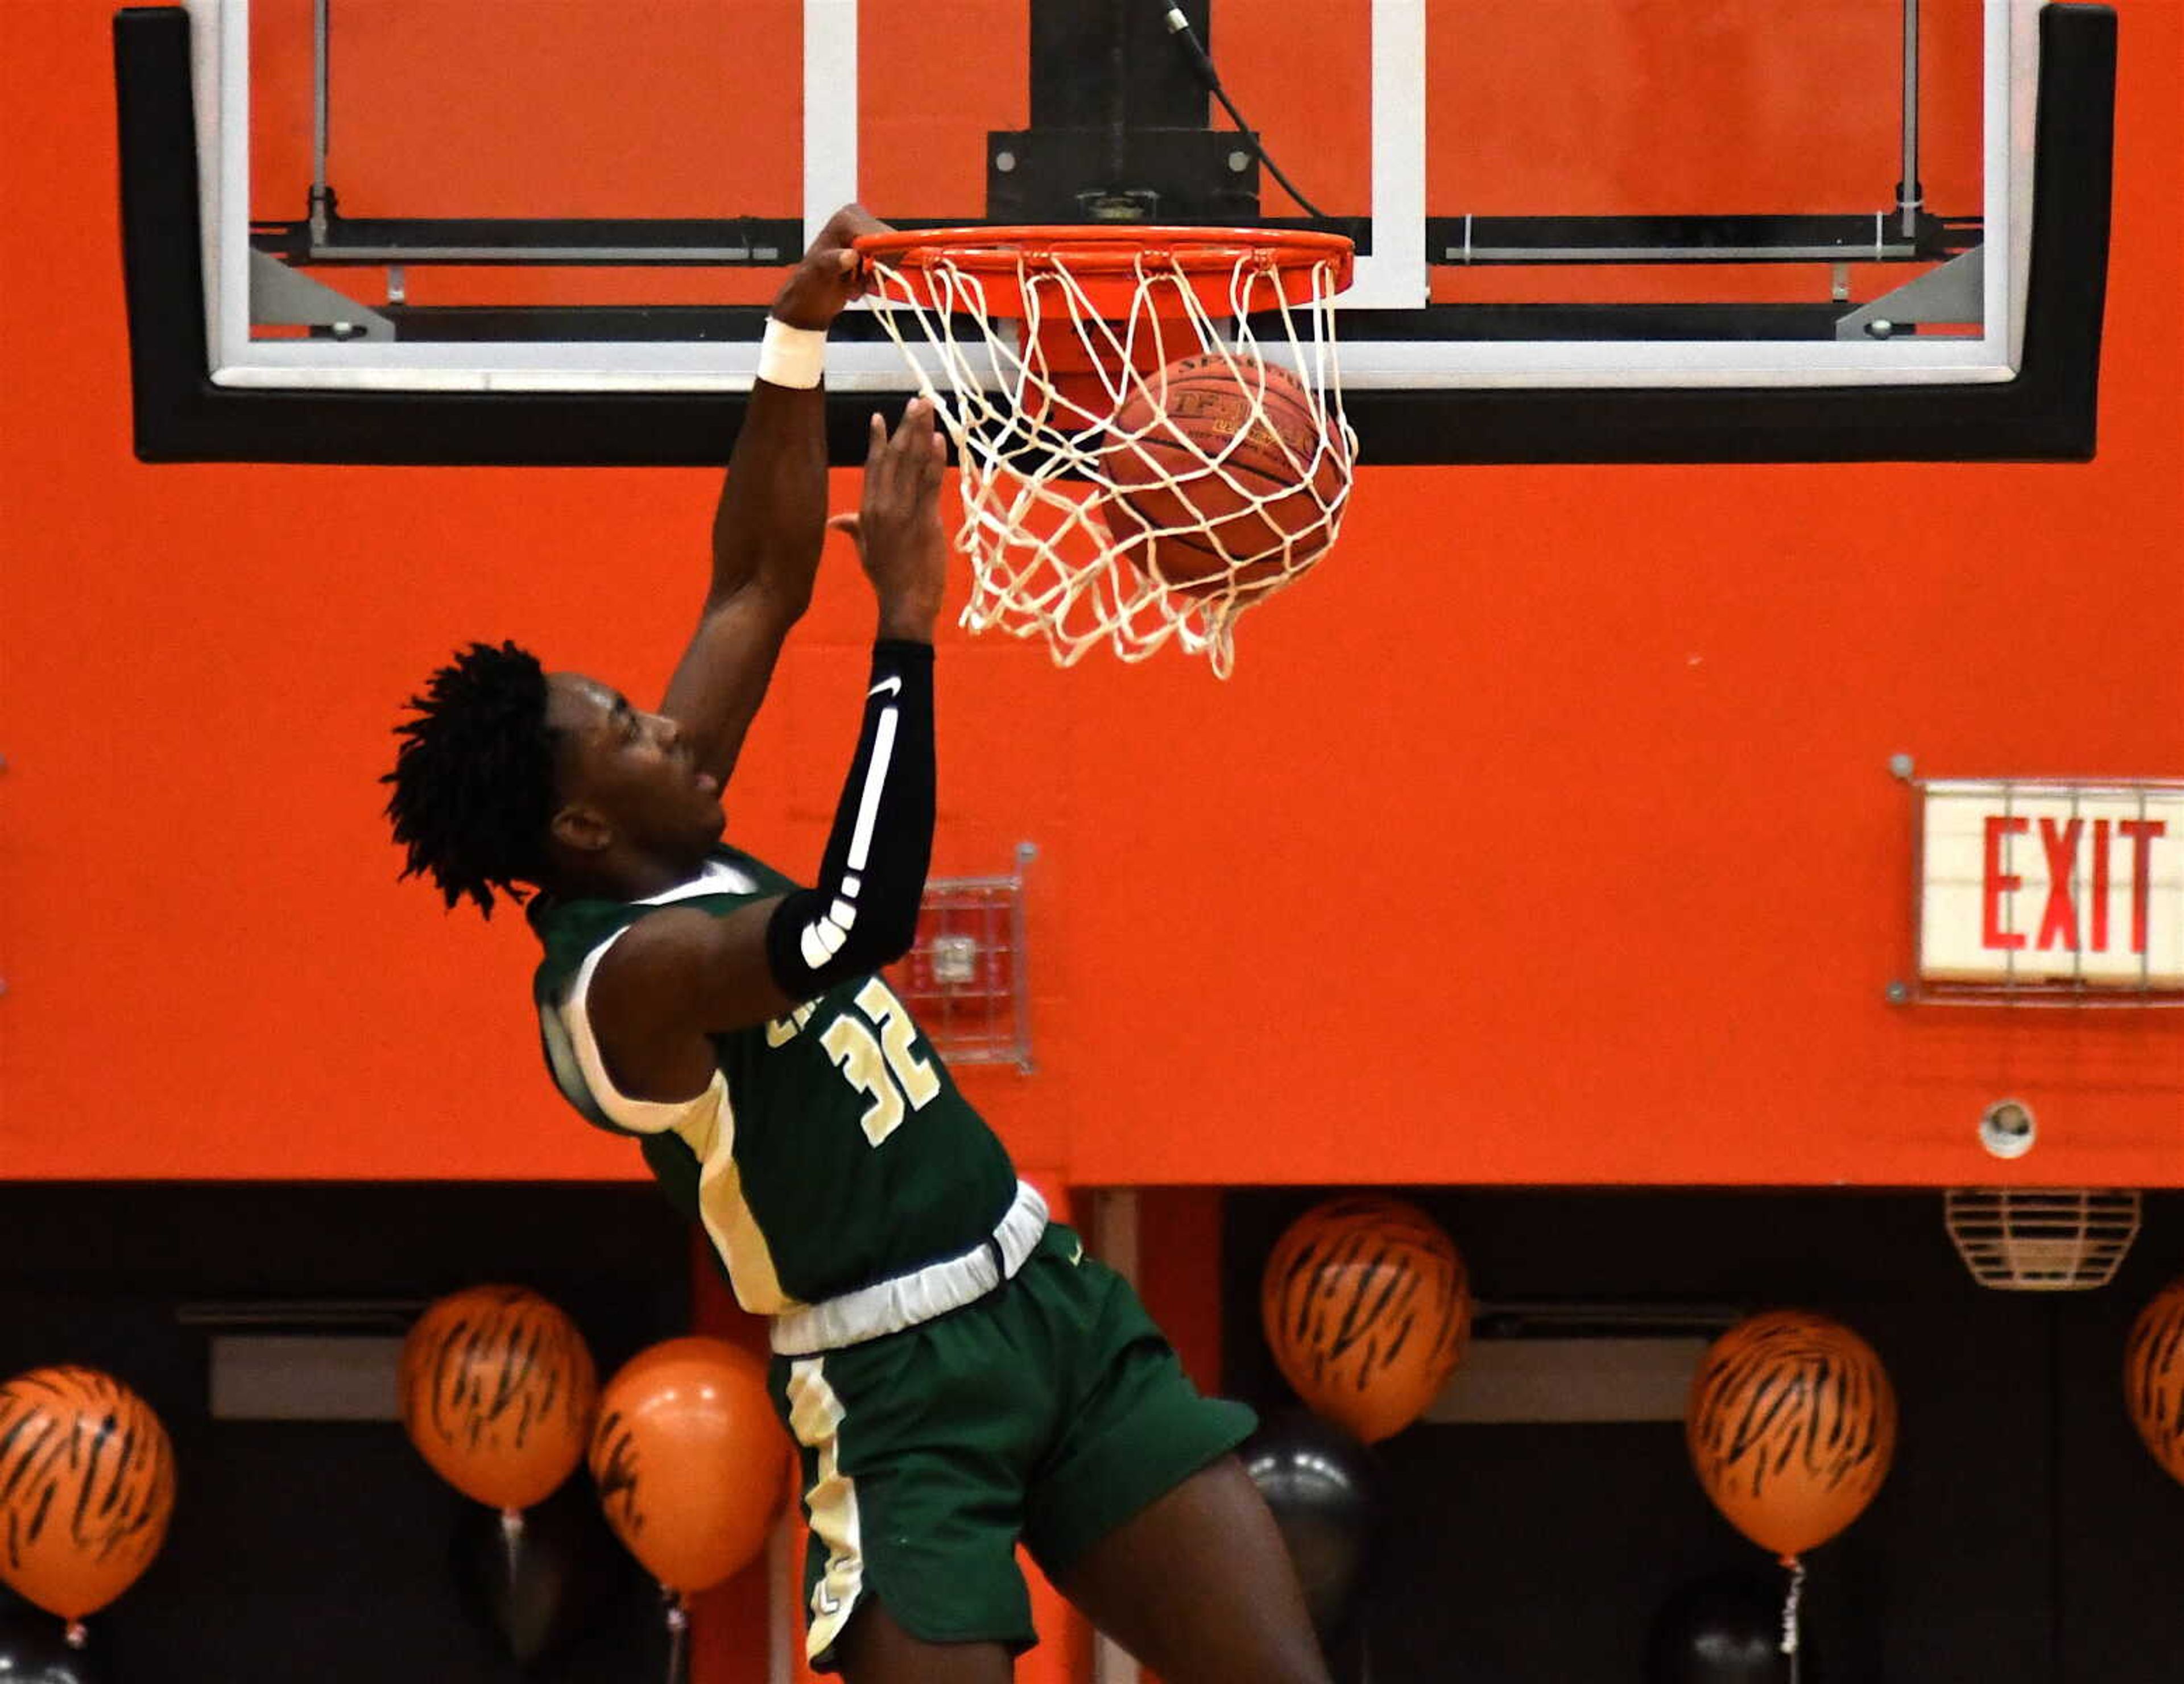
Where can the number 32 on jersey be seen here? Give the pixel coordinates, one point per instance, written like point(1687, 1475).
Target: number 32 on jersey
point(872, 1046)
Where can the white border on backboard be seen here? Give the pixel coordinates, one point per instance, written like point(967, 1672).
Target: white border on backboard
point(2009, 97)
point(1392, 277)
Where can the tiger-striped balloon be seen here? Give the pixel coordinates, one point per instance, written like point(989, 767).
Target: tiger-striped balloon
point(1791, 1426)
point(86, 1486)
point(498, 1389)
point(692, 1465)
point(1368, 1310)
point(2154, 1377)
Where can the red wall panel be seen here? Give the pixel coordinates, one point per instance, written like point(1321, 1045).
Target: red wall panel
point(1544, 834)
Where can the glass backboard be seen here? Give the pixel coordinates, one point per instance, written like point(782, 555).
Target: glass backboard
point(599, 196)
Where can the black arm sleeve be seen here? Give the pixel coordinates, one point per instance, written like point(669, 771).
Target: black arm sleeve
point(863, 914)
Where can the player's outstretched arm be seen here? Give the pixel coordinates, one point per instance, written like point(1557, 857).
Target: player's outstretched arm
point(769, 525)
point(680, 975)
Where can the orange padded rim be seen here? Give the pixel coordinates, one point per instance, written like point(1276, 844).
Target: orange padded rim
point(1109, 261)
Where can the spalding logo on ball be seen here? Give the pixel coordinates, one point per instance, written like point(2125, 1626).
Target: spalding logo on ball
point(1226, 476)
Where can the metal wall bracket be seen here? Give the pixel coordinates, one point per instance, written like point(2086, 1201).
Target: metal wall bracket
point(966, 977)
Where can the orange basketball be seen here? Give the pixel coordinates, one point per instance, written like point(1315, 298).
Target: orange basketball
point(1791, 1426)
point(1367, 1310)
point(1226, 476)
point(2154, 1377)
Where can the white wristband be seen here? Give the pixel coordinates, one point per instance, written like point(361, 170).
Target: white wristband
point(791, 356)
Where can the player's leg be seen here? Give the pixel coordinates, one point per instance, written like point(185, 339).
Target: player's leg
point(1198, 1586)
point(875, 1649)
point(910, 1449)
point(1140, 1514)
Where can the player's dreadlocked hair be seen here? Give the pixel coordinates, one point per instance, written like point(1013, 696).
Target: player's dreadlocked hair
point(474, 777)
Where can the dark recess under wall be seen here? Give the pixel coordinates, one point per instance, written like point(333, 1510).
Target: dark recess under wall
point(2024, 1536)
point(321, 1551)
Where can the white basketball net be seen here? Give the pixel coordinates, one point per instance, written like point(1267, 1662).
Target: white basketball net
point(1029, 437)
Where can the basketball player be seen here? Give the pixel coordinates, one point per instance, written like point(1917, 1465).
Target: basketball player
point(957, 1374)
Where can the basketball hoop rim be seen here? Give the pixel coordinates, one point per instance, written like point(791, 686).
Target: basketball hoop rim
point(1109, 261)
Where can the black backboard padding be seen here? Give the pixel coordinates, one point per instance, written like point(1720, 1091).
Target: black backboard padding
point(2047, 413)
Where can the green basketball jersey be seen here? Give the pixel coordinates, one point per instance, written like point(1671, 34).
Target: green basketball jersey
point(832, 1150)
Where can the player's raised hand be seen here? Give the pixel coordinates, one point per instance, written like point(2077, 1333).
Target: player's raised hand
point(898, 530)
point(822, 285)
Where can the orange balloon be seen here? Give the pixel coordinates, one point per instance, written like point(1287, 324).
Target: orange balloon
point(690, 1459)
point(1791, 1426)
point(498, 1389)
point(86, 1487)
point(2154, 1377)
point(1367, 1308)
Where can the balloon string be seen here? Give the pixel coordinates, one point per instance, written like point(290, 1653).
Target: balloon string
point(678, 1632)
point(77, 1637)
point(511, 1541)
point(1790, 1611)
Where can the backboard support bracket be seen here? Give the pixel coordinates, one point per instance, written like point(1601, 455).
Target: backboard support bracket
point(1954, 292)
point(281, 297)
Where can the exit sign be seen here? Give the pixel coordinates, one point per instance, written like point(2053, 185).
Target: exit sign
point(2034, 886)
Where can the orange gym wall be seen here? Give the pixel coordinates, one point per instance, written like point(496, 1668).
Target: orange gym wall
point(1544, 835)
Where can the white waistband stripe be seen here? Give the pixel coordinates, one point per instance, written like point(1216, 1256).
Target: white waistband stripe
point(890, 1306)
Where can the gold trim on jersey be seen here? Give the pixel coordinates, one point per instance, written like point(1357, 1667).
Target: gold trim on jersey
point(815, 1415)
point(728, 1217)
point(706, 1123)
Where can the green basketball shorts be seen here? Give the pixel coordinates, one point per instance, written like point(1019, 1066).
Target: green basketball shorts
point(1049, 1411)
